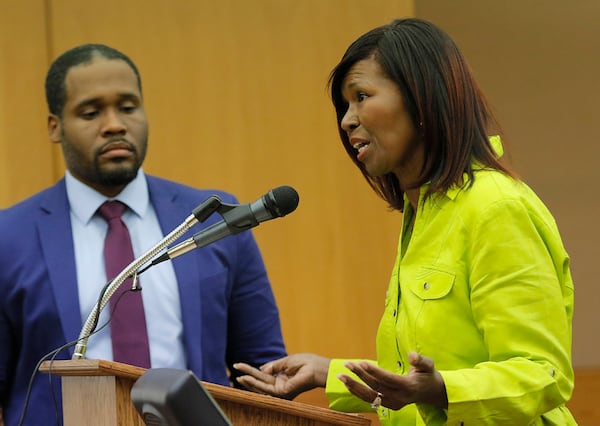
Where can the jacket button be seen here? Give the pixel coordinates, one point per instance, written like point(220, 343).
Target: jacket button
point(426, 285)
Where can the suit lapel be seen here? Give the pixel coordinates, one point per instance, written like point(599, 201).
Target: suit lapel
point(56, 239)
point(171, 211)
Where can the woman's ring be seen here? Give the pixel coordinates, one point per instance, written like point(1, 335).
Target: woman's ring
point(377, 401)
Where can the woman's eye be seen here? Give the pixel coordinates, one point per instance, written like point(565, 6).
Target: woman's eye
point(361, 96)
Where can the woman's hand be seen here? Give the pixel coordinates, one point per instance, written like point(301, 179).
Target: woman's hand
point(286, 377)
point(422, 384)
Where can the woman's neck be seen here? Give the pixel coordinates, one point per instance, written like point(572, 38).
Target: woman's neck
point(413, 197)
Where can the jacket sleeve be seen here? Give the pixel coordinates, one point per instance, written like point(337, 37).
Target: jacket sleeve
point(254, 330)
point(522, 301)
point(6, 343)
point(339, 396)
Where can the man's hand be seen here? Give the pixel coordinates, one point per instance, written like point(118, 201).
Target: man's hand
point(286, 377)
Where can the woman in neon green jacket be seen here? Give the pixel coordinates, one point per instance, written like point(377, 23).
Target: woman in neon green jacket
point(477, 322)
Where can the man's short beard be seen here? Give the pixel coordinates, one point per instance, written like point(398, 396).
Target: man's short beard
point(117, 177)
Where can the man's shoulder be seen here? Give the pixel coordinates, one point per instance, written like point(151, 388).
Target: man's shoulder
point(19, 222)
point(166, 187)
point(22, 209)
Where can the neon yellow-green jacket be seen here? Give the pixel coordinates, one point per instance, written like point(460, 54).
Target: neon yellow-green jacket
point(482, 286)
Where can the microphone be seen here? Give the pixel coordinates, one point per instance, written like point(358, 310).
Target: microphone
point(278, 202)
point(199, 214)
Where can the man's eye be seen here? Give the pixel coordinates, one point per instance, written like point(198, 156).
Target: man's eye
point(129, 108)
point(361, 96)
point(89, 115)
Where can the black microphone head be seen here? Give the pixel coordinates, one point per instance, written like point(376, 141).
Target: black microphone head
point(281, 200)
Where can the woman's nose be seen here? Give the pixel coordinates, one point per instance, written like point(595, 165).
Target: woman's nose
point(349, 120)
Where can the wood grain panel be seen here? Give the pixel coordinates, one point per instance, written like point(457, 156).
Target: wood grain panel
point(235, 92)
point(26, 163)
point(584, 403)
point(539, 65)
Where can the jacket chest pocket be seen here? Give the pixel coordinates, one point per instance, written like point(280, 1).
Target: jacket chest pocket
point(432, 284)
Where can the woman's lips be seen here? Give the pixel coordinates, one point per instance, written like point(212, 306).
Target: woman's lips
point(361, 147)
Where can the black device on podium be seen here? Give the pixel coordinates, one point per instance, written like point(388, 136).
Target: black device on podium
point(171, 397)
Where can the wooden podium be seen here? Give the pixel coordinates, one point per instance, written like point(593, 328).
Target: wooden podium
point(97, 393)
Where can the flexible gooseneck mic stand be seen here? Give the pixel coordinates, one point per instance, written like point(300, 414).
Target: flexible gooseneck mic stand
point(200, 214)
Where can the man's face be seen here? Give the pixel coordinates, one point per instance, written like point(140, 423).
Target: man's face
point(103, 129)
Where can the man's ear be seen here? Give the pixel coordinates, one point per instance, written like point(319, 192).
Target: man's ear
point(54, 128)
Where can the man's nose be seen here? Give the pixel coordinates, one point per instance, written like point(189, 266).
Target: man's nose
point(113, 123)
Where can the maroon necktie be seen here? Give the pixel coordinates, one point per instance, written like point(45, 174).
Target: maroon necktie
point(128, 323)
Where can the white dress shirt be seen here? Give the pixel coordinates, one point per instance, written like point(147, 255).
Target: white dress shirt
point(160, 292)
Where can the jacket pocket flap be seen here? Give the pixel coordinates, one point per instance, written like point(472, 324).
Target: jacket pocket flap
point(432, 284)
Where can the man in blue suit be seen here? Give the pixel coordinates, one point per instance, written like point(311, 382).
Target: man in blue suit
point(204, 311)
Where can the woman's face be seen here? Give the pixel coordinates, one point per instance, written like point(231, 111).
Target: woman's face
point(379, 127)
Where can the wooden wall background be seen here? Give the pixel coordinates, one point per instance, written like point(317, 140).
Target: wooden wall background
point(235, 94)
point(539, 62)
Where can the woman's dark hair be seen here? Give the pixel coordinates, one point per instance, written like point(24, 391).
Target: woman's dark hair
point(439, 93)
point(83, 54)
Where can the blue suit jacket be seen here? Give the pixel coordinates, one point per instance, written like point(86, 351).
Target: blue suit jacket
point(228, 309)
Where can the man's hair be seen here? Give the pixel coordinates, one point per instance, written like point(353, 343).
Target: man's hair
point(83, 54)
